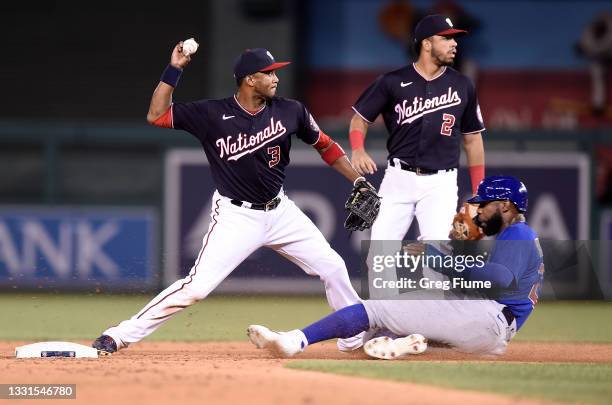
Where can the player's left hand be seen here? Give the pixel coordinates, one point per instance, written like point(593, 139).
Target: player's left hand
point(362, 162)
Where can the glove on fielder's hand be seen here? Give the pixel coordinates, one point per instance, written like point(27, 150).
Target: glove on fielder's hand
point(363, 205)
point(464, 227)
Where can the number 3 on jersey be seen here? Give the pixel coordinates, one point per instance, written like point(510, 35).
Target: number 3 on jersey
point(274, 152)
point(448, 120)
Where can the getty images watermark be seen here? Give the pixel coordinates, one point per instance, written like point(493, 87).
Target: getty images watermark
point(449, 270)
point(412, 263)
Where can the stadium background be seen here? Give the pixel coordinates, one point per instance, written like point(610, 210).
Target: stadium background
point(91, 198)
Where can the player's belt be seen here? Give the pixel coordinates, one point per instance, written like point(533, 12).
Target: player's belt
point(508, 315)
point(418, 170)
point(268, 206)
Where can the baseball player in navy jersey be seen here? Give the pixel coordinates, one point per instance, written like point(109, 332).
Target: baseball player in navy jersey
point(429, 110)
point(246, 139)
point(485, 325)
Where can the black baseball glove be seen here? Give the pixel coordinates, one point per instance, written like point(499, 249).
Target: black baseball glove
point(363, 205)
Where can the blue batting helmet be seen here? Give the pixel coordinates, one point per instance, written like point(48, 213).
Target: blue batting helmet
point(499, 188)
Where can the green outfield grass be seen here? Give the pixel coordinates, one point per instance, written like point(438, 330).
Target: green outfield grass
point(578, 382)
point(66, 316)
point(574, 321)
point(38, 317)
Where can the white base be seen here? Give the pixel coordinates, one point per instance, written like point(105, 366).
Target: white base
point(55, 349)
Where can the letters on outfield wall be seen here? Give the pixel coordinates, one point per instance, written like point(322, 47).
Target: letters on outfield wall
point(558, 186)
point(78, 248)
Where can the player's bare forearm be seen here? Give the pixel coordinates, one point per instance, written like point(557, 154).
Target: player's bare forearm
point(160, 101)
point(358, 124)
point(344, 167)
point(360, 159)
point(474, 149)
point(162, 96)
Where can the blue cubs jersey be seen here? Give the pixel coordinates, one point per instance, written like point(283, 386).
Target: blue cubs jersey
point(247, 152)
point(521, 253)
point(426, 119)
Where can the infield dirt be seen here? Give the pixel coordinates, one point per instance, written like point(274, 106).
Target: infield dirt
point(237, 373)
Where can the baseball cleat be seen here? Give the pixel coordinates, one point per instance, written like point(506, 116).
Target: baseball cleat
point(387, 348)
point(282, 344)
point(105, 345)
point(261, 336)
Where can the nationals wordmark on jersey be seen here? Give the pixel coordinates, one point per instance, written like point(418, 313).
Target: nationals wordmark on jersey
point(245, 144)
point(407, 113)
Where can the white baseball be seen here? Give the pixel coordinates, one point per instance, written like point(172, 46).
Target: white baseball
point(190, 46)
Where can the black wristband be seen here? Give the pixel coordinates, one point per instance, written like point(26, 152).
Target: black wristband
point(171, 75)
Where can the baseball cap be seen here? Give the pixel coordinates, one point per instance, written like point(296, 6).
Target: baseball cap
point(499, 188)
point(436, 24)
point(255, 60)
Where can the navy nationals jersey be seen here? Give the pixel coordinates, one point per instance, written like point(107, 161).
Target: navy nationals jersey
point(519, 250)
point(426, 119)
point(247, 152)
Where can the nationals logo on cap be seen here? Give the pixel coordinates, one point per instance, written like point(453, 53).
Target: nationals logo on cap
point(255, 60)
point(436, 24)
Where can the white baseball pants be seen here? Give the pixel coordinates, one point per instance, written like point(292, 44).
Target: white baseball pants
point(431, 198)
point(234, 233)
point(471, 326)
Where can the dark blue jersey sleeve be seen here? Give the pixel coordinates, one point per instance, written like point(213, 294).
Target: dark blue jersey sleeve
point(308, 130)
point(373, 100)
point(191, 117)
point(471, 121)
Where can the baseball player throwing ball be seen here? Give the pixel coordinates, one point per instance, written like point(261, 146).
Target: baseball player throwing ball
point(246, 138)
point(429, 110)
point(486, 325)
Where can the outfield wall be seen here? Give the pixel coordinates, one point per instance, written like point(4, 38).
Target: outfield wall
point(116, 249)
point(559, 210)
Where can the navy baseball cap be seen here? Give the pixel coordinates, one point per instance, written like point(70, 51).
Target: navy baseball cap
point(255, 60)
point(436, 24)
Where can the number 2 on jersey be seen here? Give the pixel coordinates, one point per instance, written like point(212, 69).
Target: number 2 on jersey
point(274, 152)
point(448, 120)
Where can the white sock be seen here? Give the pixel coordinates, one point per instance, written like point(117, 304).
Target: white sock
point(301, 337)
